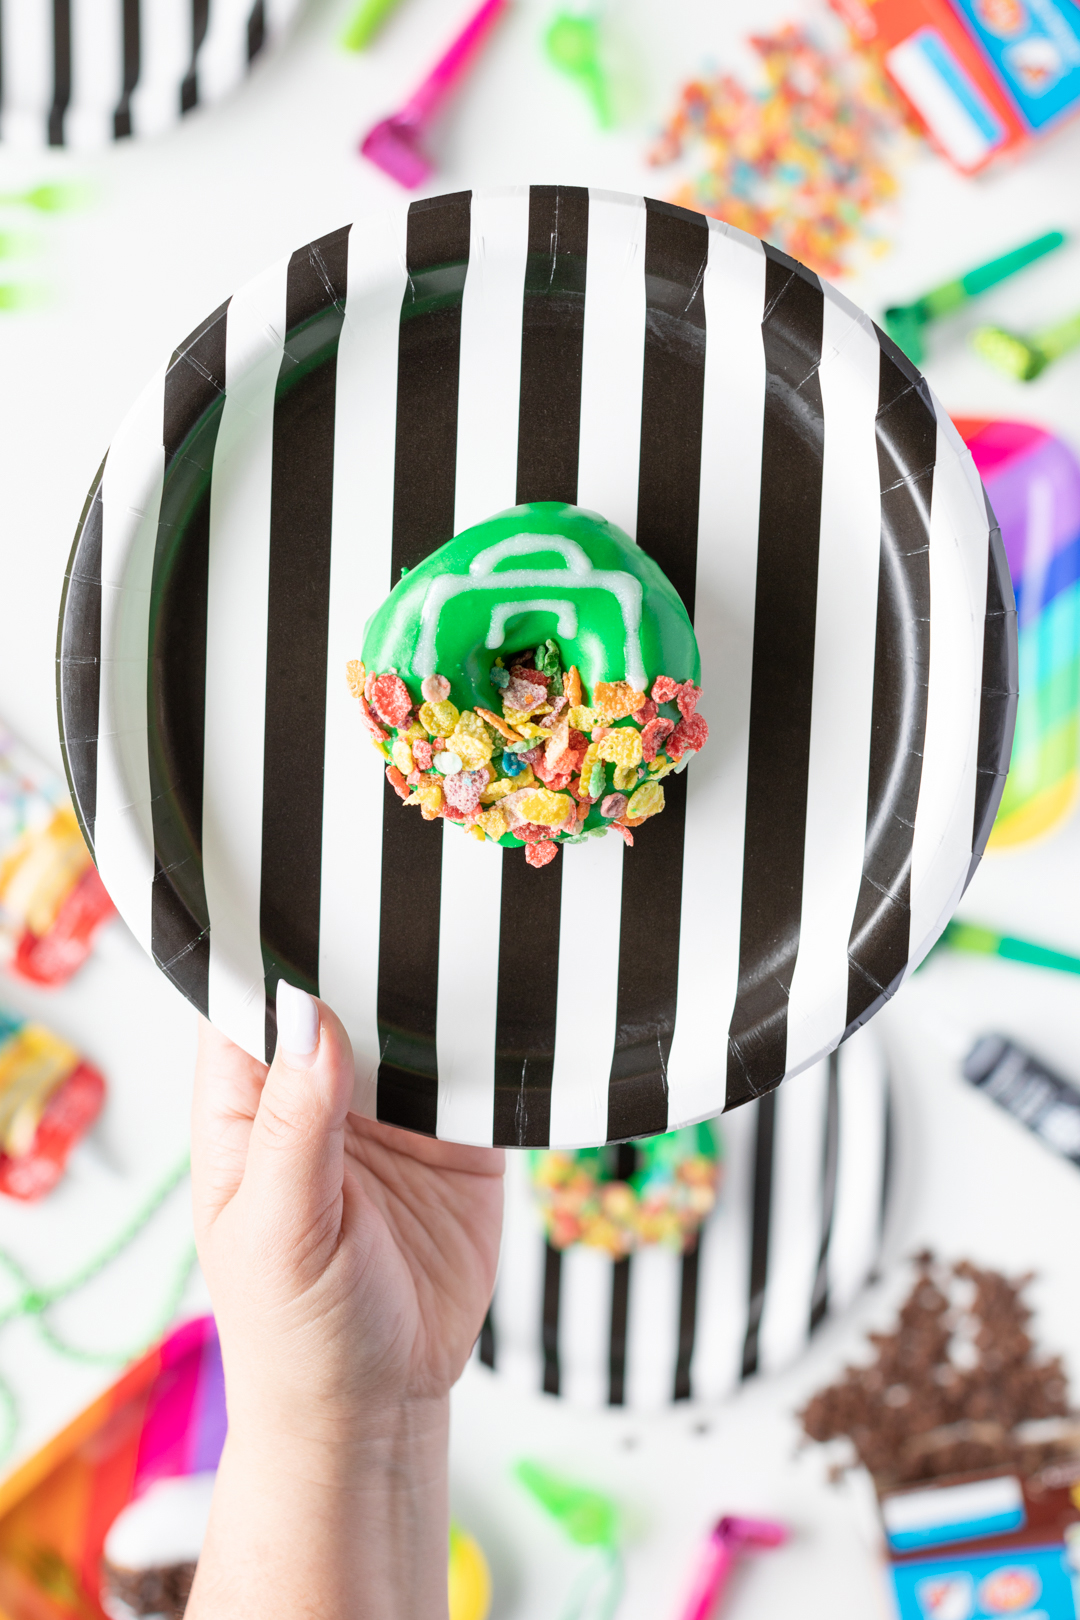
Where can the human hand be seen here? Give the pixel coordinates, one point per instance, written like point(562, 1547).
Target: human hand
point(350, 1265)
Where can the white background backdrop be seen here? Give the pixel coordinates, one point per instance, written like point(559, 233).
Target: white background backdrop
point(171, 228)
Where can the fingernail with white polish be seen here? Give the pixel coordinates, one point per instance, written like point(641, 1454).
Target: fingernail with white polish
point(297, 1022)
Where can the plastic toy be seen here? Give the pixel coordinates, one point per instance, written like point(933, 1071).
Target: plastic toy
point(905, 322)
point(1026, 358)
point(393, 145)
point(574, 45)
point(1033, 481)
point(728, 1541)
point(590, 1519)
point(977, 941)
point(365, 23)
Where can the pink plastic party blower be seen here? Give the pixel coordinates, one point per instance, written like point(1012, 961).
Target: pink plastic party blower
point(728, 1541)
point(394, 144)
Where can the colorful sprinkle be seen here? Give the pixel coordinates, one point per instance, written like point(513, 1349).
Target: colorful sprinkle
point(397, 782)
point(653, 736)
point(440, 718)
point(647, 801)
point(434, 688)
point(804, 161)
point(390, 699)
point(534, 772)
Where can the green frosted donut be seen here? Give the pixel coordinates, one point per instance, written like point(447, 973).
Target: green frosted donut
point(591, 1197)
point(534, 678)
point(537, 571)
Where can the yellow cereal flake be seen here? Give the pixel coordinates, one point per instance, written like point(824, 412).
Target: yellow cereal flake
point(616, 700)
point(582, 719)
point(439, 719)
point(494, 823)
point(430, 800)
point(592, 754)
point(497, 789)
point(476, 832)
point(625, 777)
point(622, 746)
point(660, 768)
point(545, 808)
point(520, 720)
point(571, 685)
point(471, 741)
point(356, 675)
point(414, 733)
point(381, 747)
point(401, 754)
point(647, 801)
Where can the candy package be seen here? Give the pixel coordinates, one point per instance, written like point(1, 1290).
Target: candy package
point(984, 76)
point(49, 1098)
point(52, 901)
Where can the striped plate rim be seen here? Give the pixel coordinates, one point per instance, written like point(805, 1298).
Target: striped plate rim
point(380, 390)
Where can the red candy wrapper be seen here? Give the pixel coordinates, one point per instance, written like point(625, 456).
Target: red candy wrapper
point(52, 901)
point(49, 1098)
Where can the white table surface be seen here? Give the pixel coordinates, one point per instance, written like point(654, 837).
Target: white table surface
point(171, 228)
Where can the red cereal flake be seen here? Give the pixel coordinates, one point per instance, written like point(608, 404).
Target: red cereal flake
point(390, 699)
point(627, 834)
point(530, 832)
point(523, 696)
point(653, 736)
point(687, 698)
point(542, 852)
point(664, 689)
point(462, 790)
point(646, 713)
point(397, 782)
point(692, 733)
point(421, 753)
point(372, 724)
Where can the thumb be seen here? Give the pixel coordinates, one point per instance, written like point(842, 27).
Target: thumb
point(296, 1153)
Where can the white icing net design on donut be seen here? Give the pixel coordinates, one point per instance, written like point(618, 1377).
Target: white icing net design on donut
point(579, 574)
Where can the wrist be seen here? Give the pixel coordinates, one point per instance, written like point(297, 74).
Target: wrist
point(389, 1448)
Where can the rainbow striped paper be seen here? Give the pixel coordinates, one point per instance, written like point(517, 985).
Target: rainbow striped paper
point(1033, 481)
point(165, 1416)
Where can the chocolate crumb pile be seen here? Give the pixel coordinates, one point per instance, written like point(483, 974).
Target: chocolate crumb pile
point(952, 1388)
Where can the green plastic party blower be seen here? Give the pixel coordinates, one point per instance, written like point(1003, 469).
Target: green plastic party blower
point(365, 23)
point(905, 322)
point(574, 46)
point(1026, 358)
point(978, 941)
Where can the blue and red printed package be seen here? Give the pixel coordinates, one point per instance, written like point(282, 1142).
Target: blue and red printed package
point(983, 76)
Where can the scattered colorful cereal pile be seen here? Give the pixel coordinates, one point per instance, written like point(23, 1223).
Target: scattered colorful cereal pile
point(662, 1195)
point(549, 768)
point(801, 162)
point(951, 1387)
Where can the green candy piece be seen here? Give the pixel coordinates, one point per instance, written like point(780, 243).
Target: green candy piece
point(535, 573)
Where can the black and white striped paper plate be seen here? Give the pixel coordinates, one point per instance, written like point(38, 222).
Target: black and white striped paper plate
point(807, 1200)
point(83, 73)
point(386, 387)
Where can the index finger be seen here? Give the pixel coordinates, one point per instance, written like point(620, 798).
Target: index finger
point(228, 1085)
